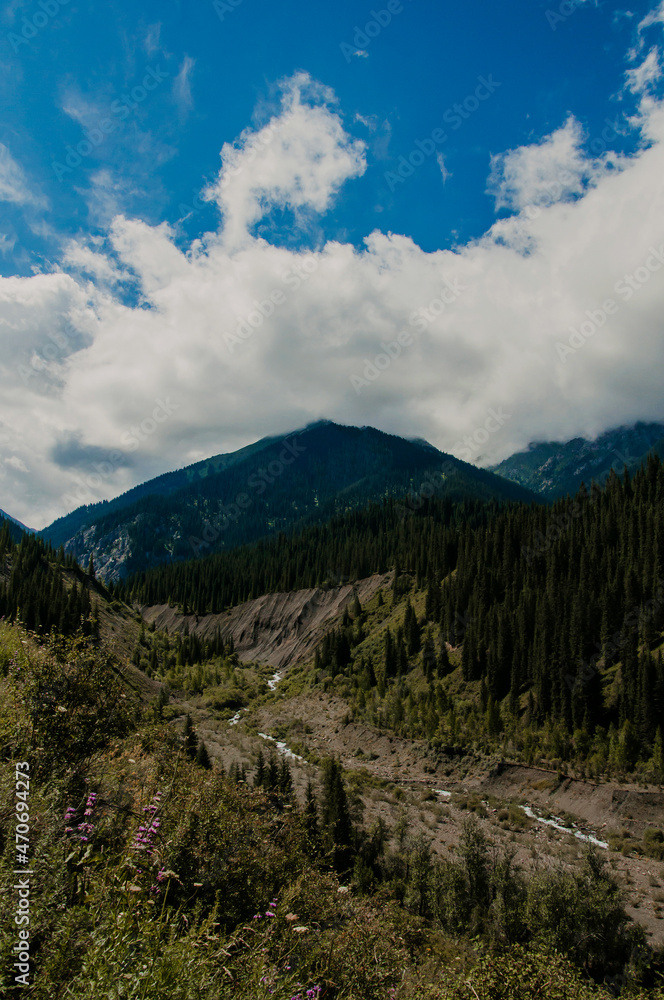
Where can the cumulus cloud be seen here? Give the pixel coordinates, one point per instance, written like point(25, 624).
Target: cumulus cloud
point(298, 161)
point(139, 355)
point(555, 169)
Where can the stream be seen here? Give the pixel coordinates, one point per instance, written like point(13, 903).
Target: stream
point(557, 823)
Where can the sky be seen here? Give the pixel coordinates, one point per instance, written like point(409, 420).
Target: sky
point(227, 219)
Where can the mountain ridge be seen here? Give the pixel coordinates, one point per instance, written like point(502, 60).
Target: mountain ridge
point(270, 486)
point(555, 468)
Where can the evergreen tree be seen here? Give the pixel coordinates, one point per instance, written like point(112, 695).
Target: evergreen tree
point(272, 778)
point(335, 814)
point(190, 738)
point(259, 777)
point(412, 631)
point(310, 816)
point(285, 777)
point(657, 759)
point(202, 756)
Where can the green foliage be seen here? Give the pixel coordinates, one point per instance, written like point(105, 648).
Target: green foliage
point(72, 700)
point(192, 885)
point(43, 591)
point(189, 738)
point(202, 756)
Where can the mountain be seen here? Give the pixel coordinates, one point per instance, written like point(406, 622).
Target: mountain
point(555, 468)
point(271, 486)
point(13, 521)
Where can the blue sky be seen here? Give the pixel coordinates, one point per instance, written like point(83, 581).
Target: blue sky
point(502, 161)
point(219, 68)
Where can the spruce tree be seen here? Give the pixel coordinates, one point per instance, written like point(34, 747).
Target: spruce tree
point(310, 816)
point(202, 756)
point(190, 738)
point(259, 777)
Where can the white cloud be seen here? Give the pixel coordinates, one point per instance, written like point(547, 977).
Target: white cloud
point(14, 185)
point(555, 169)
point(442, 166)
point(654, 17)
point(646, 74)
point(7, 243)
point(182, 85)
point(98, 360)
point(298, 161)
point(152, 42)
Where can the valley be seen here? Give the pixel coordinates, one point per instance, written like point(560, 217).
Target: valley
point(397, 778)
point(447, 708)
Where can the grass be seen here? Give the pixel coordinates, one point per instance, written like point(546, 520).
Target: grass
point(188, 916)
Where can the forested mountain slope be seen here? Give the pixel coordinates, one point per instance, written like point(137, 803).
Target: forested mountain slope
point(306, 477)
point(556, 468)
point(556, 613)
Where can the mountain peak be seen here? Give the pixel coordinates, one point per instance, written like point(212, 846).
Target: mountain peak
point(277, 484)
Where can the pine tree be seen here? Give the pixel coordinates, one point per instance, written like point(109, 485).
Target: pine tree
point(202, 756)
point(335, 814)
point(272, 779)
point(657, 759)
point(390, 655)
point(412, 631)
point(285, 777)
point(259, 777)
point(311, 813)
point(190, 738)
point(429, 659)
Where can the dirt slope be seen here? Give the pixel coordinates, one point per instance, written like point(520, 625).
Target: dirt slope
point(276, 629)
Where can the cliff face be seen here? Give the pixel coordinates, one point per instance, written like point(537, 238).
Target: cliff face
point(277, 629)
